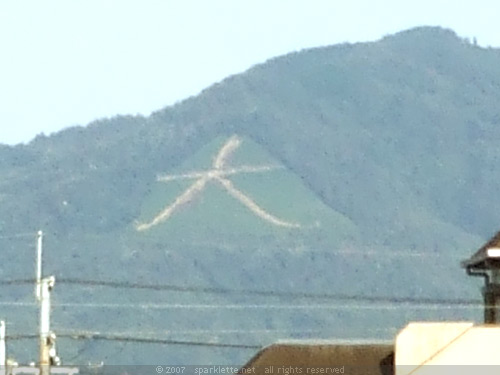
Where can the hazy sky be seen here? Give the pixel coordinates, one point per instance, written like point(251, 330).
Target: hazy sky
point(69, 62)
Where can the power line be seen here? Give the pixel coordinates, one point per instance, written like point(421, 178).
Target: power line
point(170, 342)
point(17, 282)
point(268, 293)
point(349, 306)
point(278, 333)
point(97, 336)
point(18, 303)
point(368, 305)
point(71, 333)
point(21, 337)
point(262, 293)
point(157, 333)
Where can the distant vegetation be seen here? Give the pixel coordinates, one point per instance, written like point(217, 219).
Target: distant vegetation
point(388, 155)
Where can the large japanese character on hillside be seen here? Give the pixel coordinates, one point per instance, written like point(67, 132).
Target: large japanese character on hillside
point(218, 174)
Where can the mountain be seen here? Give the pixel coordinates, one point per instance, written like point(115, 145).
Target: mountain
point(322, 177)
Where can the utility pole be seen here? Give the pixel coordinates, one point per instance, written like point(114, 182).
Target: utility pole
point(48, 355)
point(46, 338)
point(2, 348)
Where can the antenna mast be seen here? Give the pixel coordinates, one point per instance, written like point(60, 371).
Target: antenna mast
point(38, 287)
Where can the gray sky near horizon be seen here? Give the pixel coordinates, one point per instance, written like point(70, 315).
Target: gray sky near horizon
point(69, 62)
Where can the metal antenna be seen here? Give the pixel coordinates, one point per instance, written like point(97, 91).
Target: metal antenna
point(38, 290)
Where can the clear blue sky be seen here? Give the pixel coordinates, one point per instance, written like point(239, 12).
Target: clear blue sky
point(68, 62)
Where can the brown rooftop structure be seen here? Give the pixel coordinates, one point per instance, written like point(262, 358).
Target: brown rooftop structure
point(309, 357)
point(485, 263)
point(486, 257)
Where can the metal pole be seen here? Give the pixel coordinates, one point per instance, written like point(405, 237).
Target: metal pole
point(46, 286)
point(39, 264)
point(2, 348)
point(491, 295)
point(490, 312)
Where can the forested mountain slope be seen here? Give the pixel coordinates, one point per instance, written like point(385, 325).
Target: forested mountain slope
point(356, 169)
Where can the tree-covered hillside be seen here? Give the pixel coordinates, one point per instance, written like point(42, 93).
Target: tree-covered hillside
point(375, 164)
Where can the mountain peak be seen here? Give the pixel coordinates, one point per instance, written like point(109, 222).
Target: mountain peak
point(425, 32)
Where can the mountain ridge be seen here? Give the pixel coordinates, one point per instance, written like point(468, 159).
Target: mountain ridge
point(397, 136)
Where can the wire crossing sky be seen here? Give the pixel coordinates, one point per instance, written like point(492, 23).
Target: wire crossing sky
point(68, 62)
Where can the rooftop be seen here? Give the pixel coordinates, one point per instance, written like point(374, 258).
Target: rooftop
point(488, 256)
